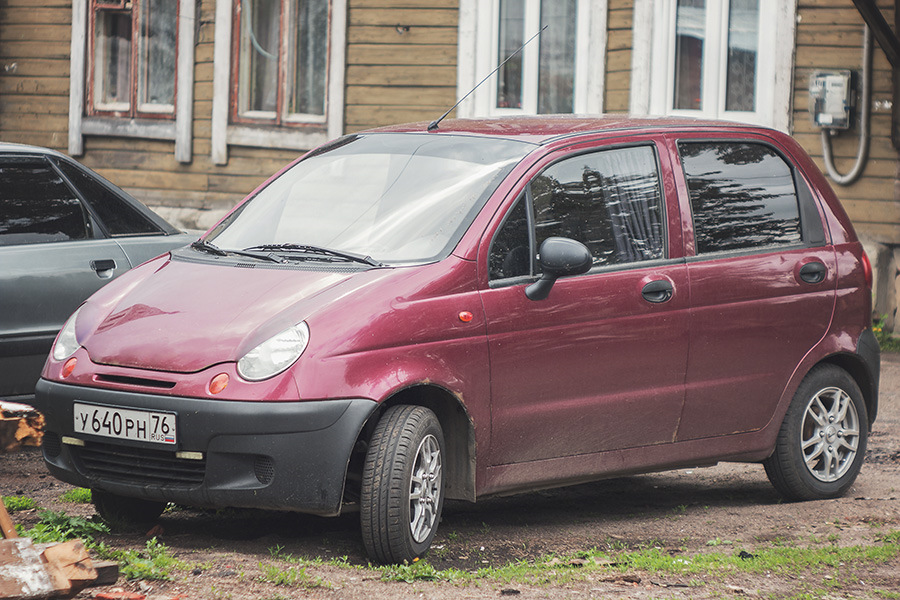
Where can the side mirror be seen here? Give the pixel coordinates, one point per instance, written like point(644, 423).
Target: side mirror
point(558, 257)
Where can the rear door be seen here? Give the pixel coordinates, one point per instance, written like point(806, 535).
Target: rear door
point(50, 261)
point(762, 281)
point(599, 364)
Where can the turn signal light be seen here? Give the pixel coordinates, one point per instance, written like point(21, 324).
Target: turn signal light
point(218, 383)
point(466, 316)
point(68, 367)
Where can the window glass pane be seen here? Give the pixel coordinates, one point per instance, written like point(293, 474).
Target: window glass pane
point(112, 60)
point(119, 217)
point(310, 57)
point(512, 36)
point(742, 196)
point(259, 50)
point(690, 32)
point(557, 61)
point(394, 197)
point(609, 201)
point(511, 250)
point(743, 52)
point(156, 81)
point(36, 206)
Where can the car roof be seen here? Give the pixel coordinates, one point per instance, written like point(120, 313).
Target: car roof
point(9, 147)
point(543, 129)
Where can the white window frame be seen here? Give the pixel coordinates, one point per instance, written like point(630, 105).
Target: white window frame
point(179, 130)
point(479, 32)
point(225, 133)
point(653, 63)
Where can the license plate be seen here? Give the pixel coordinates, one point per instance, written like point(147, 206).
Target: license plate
point(125, 423)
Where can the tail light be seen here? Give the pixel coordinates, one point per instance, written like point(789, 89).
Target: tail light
point(867, 269)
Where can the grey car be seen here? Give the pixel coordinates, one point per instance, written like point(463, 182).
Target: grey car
point(64, 232)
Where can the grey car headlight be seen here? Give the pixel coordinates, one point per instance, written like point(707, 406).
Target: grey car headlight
point(275, 354)
point(66, 342)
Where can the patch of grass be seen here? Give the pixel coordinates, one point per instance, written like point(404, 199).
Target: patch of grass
point(17, 503)
point(59, 527)
point(77, 496)
point(154, 561)
point(887, 341)
point(417, 571)
point(290, 577)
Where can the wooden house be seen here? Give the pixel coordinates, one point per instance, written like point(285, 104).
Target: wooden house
point(189, 104)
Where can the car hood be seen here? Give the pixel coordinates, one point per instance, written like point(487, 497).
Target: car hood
point(184, 317)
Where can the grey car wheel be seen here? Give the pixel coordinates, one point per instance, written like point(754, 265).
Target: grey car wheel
point(402, 485)
point(822, 441)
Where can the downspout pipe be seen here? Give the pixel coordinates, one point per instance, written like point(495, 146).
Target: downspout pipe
point(862, 153)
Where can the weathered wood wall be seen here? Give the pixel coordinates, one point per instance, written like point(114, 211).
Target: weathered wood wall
point(401, 61)
point(34, 71)
point(618, 56)
point(829, 35)
point(401, 66)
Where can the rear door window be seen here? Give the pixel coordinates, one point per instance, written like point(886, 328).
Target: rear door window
point(119, 217)
point(742, 196)
point(36, 205)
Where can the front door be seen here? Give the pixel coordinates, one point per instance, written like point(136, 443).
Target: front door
point(600, 363)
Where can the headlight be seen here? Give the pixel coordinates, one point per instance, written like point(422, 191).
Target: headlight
point(275, 354)
point(66, 343)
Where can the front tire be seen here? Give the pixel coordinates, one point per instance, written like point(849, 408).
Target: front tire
point(822, 441)
point(402, 485)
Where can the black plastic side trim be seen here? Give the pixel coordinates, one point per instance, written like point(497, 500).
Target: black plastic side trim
point(870, 353)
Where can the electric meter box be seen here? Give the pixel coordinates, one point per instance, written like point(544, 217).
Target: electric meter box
point(831, 98)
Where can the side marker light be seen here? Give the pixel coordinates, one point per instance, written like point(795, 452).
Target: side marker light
point(218, 383)
point(68, 367)
point(466, 316)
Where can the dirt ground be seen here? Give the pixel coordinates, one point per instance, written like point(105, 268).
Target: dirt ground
point(686, 513)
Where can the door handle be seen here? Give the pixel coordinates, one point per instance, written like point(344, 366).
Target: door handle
point(104, 268)
point(813, 272)
point(658, 291)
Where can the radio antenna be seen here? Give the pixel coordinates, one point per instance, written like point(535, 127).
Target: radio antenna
point(434, 124)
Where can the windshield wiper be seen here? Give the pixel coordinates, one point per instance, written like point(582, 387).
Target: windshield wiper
point(206, 246)
point(318, 252)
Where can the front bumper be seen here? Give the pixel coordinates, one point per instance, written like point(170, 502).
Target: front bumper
point(272, 455)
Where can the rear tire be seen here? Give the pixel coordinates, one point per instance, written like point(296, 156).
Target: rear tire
point(823, 438)
point(402, 491)
point(123, 513)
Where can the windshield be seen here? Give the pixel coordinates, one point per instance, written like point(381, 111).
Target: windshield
point(395, 197)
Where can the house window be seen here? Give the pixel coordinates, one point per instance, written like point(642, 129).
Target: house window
point(281, 61)
point(541, 77)
point(730, 59)
point(279, 74)
point(132, 64)
point(560, 71)
point(131, 72)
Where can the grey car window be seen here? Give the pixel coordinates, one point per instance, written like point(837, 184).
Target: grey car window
point(119, 217)
point(36, 205)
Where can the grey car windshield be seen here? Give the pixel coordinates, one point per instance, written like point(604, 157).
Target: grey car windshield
point(397, 197)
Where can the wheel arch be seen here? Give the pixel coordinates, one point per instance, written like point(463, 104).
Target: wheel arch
point(861, 373)
point(459, 436)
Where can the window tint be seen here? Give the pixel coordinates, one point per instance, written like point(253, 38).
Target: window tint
point(511, 249)
point(610, 201)
point(36, 205)
point(119, 217)
point(742, 196)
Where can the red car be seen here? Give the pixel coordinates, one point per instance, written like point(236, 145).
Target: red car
point(494, 306)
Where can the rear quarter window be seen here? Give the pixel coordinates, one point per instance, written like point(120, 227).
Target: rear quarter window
point(742, 196)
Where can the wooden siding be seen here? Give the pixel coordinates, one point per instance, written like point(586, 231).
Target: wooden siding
point(401, 61)
point(618, 56)
point(401, 66)
point(829, 36)
point(34, 72)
